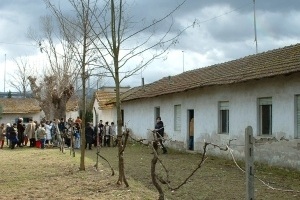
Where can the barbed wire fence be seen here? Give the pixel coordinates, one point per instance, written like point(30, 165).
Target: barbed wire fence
point(248, 170)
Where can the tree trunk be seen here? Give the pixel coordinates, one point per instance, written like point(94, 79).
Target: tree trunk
point(153, 174)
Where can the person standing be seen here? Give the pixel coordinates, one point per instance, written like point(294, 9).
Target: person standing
point(7, 130)
point(113, 133)
point(48, 133)
point(30, 132)
point(41, 135)
point(62, 130)
point(77, 130)
point(191, 134)
point(159, 129)
point(106, 134)
point(89, 136)
point(13, 135)
point(98, 130)
point(21, 130)
point(78, 120)
point(2, 135)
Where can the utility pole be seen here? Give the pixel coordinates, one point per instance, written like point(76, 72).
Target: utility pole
point(255, 35)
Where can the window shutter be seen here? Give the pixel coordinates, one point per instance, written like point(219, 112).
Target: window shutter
point(177, 117)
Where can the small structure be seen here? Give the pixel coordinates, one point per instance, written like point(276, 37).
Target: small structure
point(28, 108)
point(14, 108)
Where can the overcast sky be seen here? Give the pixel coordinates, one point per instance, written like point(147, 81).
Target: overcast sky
point(224, 32)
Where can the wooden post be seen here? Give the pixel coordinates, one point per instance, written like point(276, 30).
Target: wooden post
point(249, 160)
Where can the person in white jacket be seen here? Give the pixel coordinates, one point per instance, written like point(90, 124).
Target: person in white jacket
point(48, 133)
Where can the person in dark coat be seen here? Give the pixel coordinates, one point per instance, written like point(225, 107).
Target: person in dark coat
point(21, 129)
point(13, 136)
point(159, 129)
point(89, 135)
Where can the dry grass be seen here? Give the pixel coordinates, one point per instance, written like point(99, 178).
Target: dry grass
point(31, 173)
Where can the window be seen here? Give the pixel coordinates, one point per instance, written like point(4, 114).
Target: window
point(298, 116)
point(177, 117)
point(265, 116)
point(224, 117)
point(26, 119)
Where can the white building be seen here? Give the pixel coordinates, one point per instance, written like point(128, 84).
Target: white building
point(14, 108)
point(261, 91)
point(103, 111)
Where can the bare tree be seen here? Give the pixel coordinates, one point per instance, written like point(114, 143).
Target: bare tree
point(77, 32)
point(19, 76)
point(56, 87)
point(120, 43)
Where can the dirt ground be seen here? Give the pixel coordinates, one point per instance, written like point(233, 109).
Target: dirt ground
point(31, 173)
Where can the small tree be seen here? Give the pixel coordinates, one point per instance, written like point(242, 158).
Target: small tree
point(19, 79)
point(9, 95)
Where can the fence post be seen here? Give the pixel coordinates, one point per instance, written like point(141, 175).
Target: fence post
point(249, 160)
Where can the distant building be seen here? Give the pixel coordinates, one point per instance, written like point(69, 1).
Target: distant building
point(14, 108)
point(14, 95)
point(104, 112)
point(28, 108)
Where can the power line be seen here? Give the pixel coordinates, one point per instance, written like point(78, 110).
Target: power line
point(10, 43)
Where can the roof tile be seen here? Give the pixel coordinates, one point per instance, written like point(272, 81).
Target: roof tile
point(267, 64)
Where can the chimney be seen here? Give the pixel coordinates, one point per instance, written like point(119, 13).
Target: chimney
point(143, 82)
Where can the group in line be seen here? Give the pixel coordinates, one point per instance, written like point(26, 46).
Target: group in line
point(55, 133)
point(101, 134)
point(40, 134)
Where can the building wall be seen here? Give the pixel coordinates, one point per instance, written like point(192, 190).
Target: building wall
point(278, 149)
point(104, 115)
point(72, 114)
point(10, 118)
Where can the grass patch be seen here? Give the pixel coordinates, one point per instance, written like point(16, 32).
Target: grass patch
point(31, 173)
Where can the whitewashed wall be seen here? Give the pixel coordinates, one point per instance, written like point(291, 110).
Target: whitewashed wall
point(72, 114)
point(10, 118)
point(243, 112)
point(104, 115)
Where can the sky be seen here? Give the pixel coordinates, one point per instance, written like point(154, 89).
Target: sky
point(224, 31)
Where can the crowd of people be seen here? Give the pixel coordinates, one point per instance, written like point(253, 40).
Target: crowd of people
point(49, 133)
point(101, 134)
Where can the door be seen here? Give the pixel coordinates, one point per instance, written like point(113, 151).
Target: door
point(190, 129)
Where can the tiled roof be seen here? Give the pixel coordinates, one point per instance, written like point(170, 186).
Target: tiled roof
point(272, 63)
point(104, 96)
point(30, 105)
point(107, 96)
point(19, 105)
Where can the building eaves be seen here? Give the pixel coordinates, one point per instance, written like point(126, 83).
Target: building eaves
point(272, 63)
point(19, 105)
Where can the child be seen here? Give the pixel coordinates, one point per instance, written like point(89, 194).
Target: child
point(2, 135)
